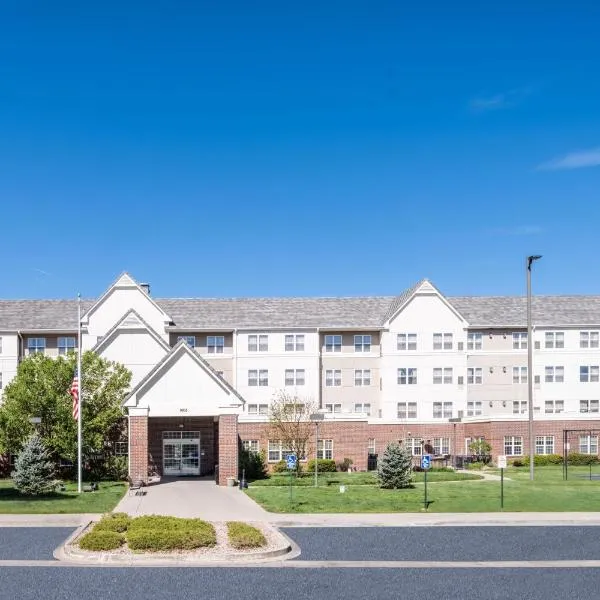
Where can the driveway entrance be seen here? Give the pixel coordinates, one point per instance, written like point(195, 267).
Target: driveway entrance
point(181, 453)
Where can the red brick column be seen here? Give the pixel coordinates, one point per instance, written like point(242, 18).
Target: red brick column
point(138, 447)
point(228, 447)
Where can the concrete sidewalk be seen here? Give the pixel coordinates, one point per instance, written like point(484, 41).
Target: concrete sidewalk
point(74, 520)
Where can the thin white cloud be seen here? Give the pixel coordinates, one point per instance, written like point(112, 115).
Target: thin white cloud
point(502, 100)
point(579, 159)
point(518, 230)
point(41, 271)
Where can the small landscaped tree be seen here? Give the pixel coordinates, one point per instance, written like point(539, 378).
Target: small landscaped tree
point(394, 470)
point(481, 450)
point(34, 471)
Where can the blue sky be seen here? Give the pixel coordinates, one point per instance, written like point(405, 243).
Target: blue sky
point(275, 149)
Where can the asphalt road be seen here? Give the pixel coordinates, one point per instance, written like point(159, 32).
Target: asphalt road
point(447, 543)
point(31, 543)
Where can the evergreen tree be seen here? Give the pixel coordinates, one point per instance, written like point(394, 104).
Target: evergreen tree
point(34, 471)
point(394, 470)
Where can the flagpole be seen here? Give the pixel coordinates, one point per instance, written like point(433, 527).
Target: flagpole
point(80, 394)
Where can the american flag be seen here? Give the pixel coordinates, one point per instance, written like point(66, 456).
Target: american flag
point(74, 391)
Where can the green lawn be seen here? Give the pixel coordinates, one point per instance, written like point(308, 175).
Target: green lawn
point(104, 500)
point(548, 493)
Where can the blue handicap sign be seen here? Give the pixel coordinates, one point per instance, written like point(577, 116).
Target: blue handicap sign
point(291, 461)
point(426, 461)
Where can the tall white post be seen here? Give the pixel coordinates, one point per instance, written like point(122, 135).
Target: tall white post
point(80, 392)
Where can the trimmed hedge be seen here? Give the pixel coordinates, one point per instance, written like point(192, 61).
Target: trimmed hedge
point(101, 540)
point(574, 459)
point(242, 535)
point(157, 540)
point(326, 465)
point(116, 522)
point(172, 523)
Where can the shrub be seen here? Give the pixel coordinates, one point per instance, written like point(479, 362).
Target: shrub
point(281, 467)
point(326, 465)
point(577, 459)
point(253, 464)
point(475, 466)
point(395, 467)
point(242, 535)
point(101, 540)
point(34, 471)
point(171, 523)
point(345, 464)
point(518, 462)
point(160, 540)
point(542, 460)
point(116, 522)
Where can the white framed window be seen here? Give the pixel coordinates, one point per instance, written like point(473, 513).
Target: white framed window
point(258, 343)
point(407, 410)
point(371, 446)
point(325, 449)
point(0, 381)
point(520, 407)
point(589, 339)
point(474, 340)
point(333, 377)
point(251, 446)
point(294, 342)
point(333, 343)
point(121, 448)
point(407, 376)
point(544, 444)
point(277, 452)
point(589, 374)
point(554, 406)
point(333, 408)
point(474, 408)
point(442, 341)
point(588, 444)
point(36, 345)
point(294, 377)
point(258, 409)
point(406, 341)
point(554, 339)
point(215, 344)
point(362, 407)
point(519, 374)
point(65, 345)
point(190, 340)
point(589, 406)
point(0, 344)
point(444, 375)
point(442, 410)
point(415, 445)
point(362, 343)
point(441, 445)
point(258, 377)
point(362, 377)
point(554, 374)
point(519, 340)
point(513, 445)
point(474, 375)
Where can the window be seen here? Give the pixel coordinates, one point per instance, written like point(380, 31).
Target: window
point(407, 410)
point(554, 375)
point(121, 448)
point(554, 339)
point(371, 446)
point(215, 344)
point(415, 445)
point(258, 377)
point(258, 343)
point(362, 407)
point(0, 344)
point(544, 444)
point(294, 377)
point(333, 408)
point(190, 340)
point(589, 339)
point(362, 343)
point(66, 345)
point(36, 345)
point(441, 446)
point(407, 376)
point(473, 408)
point(362, 377)
point(474, 375)
point(333, 377)
point(0, 381)
point(554, 406)
point(277, 452)
point(589, 374)
point(589, 406)
point(442, 375)
point(406, 341)
point(442, 410)
point(519, 340)
point(333, 343)
point(588, 444)
point(258, 409)
point(474, 341)
point(325, 449)
point(294, 342)
point(250, 446)
point(519, 374)
point(513, 445)
point(520, 407)
point(442, 341)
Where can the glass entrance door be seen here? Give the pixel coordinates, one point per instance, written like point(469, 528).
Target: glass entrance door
point(181, 453)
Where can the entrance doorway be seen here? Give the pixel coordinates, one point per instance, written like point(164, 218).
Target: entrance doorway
point(181, 453)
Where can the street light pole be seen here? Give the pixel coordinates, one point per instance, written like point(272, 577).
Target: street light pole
point(530, 260)
point(316, 453)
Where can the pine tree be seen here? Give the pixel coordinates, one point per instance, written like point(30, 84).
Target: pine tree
point(34, 471)
point(395, 467)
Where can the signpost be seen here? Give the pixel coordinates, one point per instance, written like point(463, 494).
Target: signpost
point(425, 465)
point(291, 463)
point(502, 466)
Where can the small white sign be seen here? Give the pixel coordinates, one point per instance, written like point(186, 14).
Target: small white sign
point(502, 462)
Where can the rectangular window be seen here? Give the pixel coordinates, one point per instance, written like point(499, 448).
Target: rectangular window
point(589, 374)
point(474, 341)
point(513, 445)
point(448, 375)
point(294, 342)
point(190, 340)
point(406, 341)
point(362, 377)
point(65, 345)
point(554, 406)
point(294, 377)
point(36, 345)
point(0, 381)
point(437, 376)
point(554, 374)
point(250, 446)
point(277, 452)
point(258, 343)
point(121, 448)
point(371, 446)
point(519, 374)
point(519, 340)
point(442, 410)
point(333, 343)
point(215, 344)
point(407, 410)
point(407, 376)
point(333, 377)
point(474, 409)
point(258, 409)
point(519, 407)
point(0, 344)
point(544, 444)
point(554, 339)
point(589, 339)
point(589, 406)
point(442, 341)
point(362, 343)
point(258, 377)
point(415, 445)
point(474, 375)
point(333, 408)
point(325, 449)
point(588, 444)
point(441, 446)
point(362, 407)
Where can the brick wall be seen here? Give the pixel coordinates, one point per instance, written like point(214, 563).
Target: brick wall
point(228, 447)
point(138, 451)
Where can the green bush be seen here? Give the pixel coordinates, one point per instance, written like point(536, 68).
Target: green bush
point(281, 467)
point(172, 523)
point(326, 465)
point(101, 540)
point(345, 464)
point(577, 459)
point(242, 535)
point(161, 540)
point(543, 460)
point(475, 466)
point(518, 462)
point(116, 522)
point(253, 464)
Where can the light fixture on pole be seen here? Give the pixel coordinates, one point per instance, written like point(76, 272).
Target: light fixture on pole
point(529, 262)
point(316, 418)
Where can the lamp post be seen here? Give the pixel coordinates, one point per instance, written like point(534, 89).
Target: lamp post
point(529, 262)
point(316, 418)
